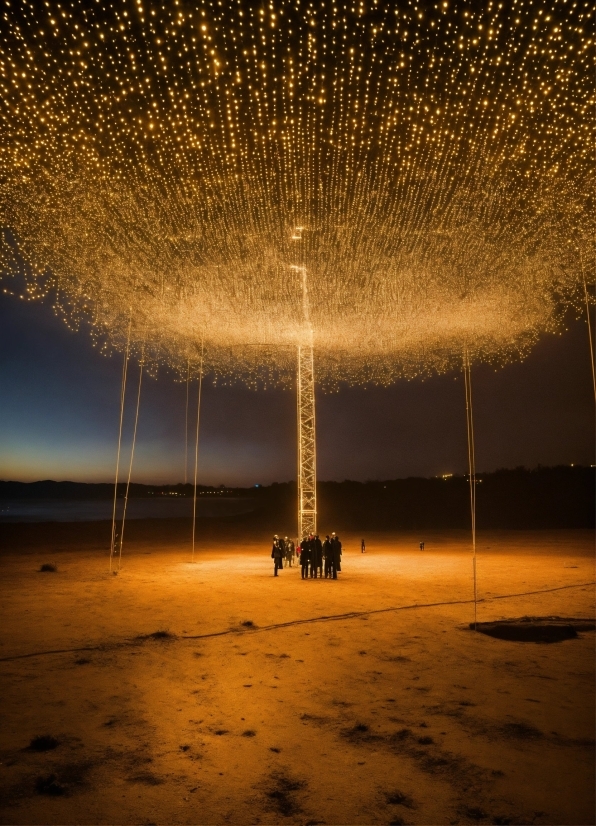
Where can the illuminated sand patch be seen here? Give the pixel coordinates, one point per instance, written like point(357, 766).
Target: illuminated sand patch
point(387, 705)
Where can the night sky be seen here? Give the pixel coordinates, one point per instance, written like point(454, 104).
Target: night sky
point(60, 405)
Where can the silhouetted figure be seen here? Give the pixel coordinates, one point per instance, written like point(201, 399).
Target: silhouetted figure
point(422, 546)
point(336, 551)
point(305, 556)
point(317, 563)
point(362, 546)
point(328, 557)
point(282, 545)
point(276, 555)
point(289, 545)
point(313, 556)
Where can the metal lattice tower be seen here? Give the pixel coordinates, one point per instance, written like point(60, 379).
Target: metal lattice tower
point(307, 457)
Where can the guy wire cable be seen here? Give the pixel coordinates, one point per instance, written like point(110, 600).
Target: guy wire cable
point(471, 468)
point(589, 324)
point(122, 397)
point(186, 425)
point(132, 453)
point(194, 503)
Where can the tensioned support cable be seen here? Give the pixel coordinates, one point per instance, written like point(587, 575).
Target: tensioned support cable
point(471, 468)
point(589, 318)
point(132, 454)
point(122, 397)
point(194, 502)
point(186, 425)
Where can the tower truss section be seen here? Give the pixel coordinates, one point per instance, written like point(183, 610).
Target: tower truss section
point(307, 457)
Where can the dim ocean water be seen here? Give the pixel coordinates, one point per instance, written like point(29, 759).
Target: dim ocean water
point(97, 510)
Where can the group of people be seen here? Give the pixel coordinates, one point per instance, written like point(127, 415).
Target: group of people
point(314, 556)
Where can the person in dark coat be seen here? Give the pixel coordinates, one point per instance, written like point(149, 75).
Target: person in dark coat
point(282, 545)
point(289, 551)
point(276, 555)
point(313, 555)
point(305, 557)
point(317, 546)
point(328, 557)
point(336, 550)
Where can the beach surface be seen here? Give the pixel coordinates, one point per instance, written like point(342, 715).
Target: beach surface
point(212, 692)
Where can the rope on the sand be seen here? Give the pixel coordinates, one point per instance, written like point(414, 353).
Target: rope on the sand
point(589, 326)
point(122, 396)
point(132, 454)
point(186, 425)
point(194, 502)
point(471, 467)
point(141, 640)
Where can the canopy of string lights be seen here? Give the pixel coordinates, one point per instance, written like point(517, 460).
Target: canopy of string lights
point(395, 182)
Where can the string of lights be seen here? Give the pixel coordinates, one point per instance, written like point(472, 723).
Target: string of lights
point(428, 165)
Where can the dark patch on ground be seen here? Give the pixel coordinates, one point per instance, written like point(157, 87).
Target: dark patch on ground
point(146, 778)
point(48, 568)
point(474, 813)
point(535, 629)
point(282, 795)
point(49, 784)
point(64, 779)
point(356, 733)
point(82, 661)
point(184, 748)
point(314, 718)
point(221, 731)
point(44, 742)
point(425, 741)
point(249, 733)
point(248, 624)
point(520, 731)
point(401, 735)
point(161, 636)
point(397, 798)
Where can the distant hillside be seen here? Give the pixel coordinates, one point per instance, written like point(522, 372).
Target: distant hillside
point(49, 489)
point(556, 497)
point(559, 497)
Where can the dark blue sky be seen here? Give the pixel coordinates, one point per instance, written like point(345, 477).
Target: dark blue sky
point(60, 404)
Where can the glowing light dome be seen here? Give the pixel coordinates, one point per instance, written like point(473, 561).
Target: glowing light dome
point(187, 171)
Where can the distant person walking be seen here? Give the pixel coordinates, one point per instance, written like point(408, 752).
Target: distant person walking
point(276, 555)
point(422, 546)
point(328, 557)
point(336, 551)
point(362, 547)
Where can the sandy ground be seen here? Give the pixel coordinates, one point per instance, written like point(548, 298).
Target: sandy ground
point(365, 700)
